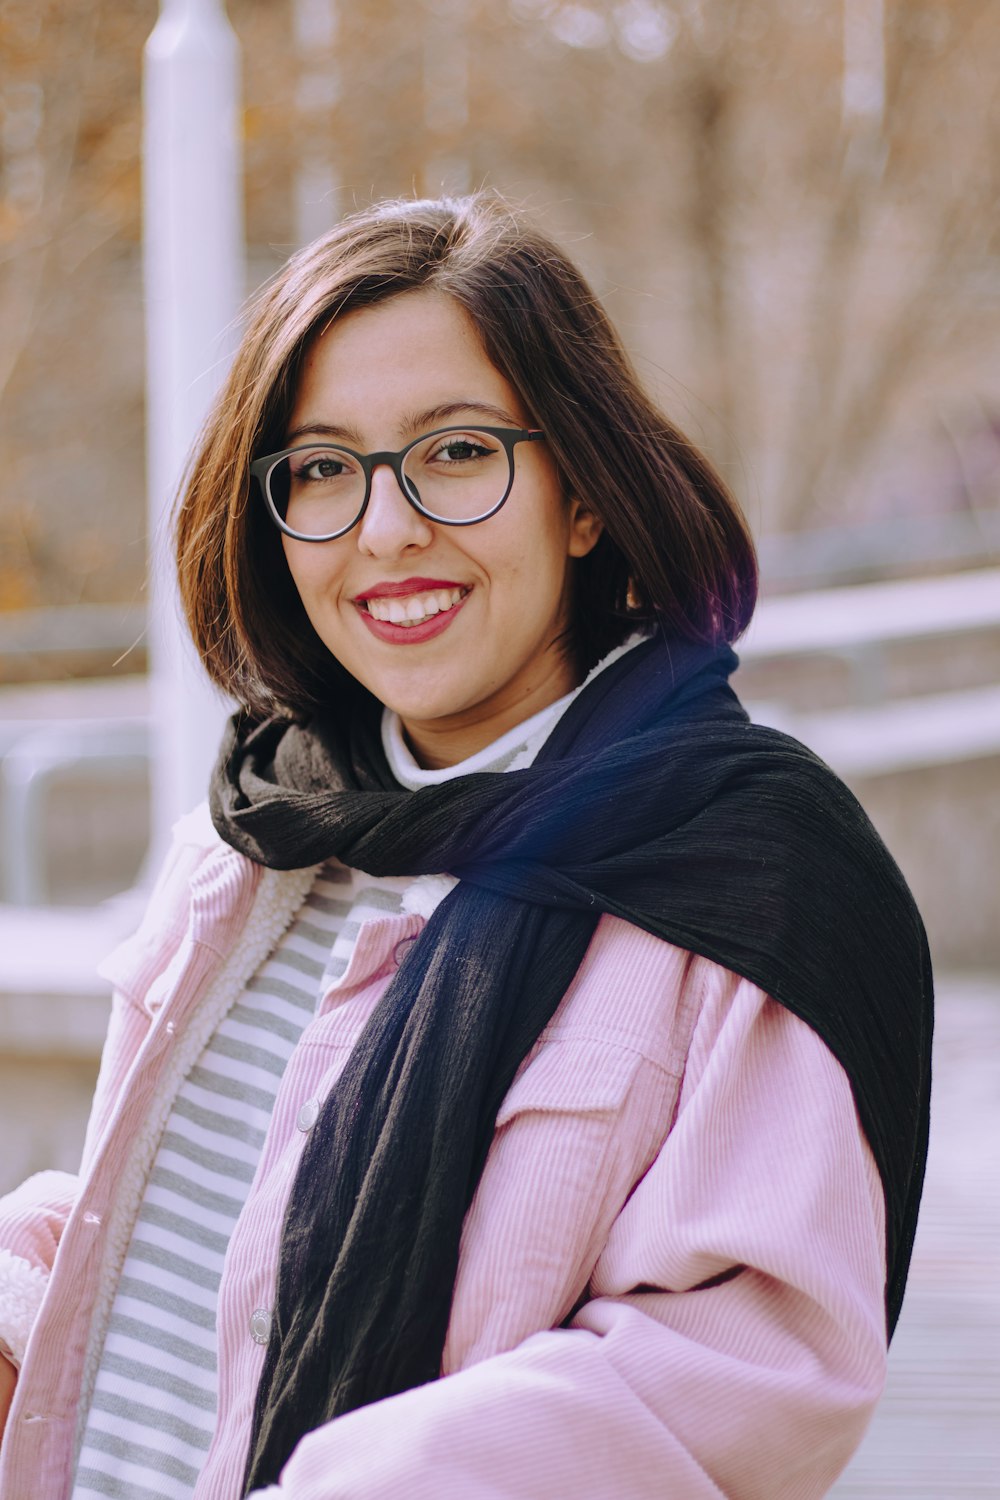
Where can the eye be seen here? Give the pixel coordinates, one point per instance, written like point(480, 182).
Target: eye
point(460, 448)
point(316, 467)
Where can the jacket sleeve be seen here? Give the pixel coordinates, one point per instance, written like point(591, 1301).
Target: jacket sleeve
point(33, 1216)
point(734, 1341)
point(31, 1222)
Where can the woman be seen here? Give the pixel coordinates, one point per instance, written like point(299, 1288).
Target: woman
point(520, 1087)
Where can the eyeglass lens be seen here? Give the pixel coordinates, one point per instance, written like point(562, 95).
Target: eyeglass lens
point(453, 476)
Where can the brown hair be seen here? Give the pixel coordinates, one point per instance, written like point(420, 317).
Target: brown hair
point(675, 546)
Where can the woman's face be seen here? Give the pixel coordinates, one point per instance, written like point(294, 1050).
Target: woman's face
point(376, 379)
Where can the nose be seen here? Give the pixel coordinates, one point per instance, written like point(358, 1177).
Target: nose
point(391, 525)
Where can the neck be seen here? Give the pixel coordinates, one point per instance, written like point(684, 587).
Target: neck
point(437, 743)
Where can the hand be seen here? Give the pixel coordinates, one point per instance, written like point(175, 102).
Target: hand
point(8, 1380)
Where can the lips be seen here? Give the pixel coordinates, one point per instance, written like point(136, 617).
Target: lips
point(404, 586)
point(411, 611)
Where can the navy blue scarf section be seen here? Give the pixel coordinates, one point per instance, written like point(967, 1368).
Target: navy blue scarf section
point(654, 799)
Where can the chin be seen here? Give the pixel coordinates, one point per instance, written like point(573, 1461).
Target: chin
point(421, 712)
point(423, 704)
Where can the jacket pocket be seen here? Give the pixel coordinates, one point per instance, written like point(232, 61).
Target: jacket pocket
point(561, 1164)
point(571, 1075)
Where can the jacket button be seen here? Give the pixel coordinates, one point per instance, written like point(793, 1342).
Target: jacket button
point(402, 948)
point(308, 1115)
point(260, 1325)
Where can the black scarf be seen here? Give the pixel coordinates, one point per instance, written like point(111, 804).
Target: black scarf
point(654, 799)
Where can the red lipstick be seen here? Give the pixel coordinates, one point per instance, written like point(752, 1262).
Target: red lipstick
point(388, 590)
point(410, 635)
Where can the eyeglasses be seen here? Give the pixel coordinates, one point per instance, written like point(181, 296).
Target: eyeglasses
point(455, 475)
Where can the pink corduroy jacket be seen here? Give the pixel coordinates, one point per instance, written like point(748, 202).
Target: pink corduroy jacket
point(677, 1149)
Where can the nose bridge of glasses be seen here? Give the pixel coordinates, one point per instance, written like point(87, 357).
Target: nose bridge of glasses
point(386, 460)
point(394, 463)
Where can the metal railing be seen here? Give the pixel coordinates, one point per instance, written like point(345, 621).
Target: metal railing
point(858, 625)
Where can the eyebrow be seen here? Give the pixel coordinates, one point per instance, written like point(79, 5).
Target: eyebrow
point(415, 422)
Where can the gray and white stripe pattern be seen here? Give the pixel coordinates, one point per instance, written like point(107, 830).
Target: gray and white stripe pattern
point(153, 1411)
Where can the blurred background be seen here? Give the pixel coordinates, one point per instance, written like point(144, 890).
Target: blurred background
point(789, 208)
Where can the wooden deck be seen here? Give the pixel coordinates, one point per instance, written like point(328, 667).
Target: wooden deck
point(936, 1434)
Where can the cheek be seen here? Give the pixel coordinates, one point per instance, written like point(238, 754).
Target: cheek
point(534, 556)
point(312, 570)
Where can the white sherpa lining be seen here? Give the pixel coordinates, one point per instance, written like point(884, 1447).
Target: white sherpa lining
point(278, 898)
point(22, 1287)
point(425, 894)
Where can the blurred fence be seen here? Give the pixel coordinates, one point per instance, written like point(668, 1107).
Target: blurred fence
point(896, 685)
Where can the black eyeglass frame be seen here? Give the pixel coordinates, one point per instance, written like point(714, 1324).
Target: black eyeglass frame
point(262, 468)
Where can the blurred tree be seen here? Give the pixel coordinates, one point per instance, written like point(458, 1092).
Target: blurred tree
point(910, 213)
point(789, 206)
point(820, 259)
point(70, 195)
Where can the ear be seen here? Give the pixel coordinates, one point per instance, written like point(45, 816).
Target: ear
point(584, 529)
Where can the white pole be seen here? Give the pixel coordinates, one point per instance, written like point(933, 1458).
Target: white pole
point(863, 81)
point(194, 281)
point(316, 25)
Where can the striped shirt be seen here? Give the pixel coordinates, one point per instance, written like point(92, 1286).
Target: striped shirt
point(152, 1415)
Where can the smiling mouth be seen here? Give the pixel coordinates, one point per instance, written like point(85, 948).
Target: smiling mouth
point(413, 609)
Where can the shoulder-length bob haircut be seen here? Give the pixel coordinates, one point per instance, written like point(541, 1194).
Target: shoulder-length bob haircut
point(675, 547)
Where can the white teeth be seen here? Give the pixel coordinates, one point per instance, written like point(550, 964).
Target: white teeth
point(417, 608)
